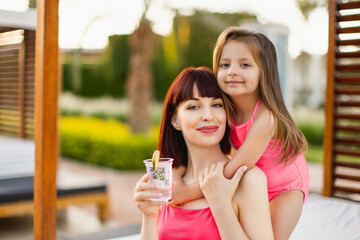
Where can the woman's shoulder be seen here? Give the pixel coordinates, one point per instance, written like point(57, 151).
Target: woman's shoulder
point(252, 178)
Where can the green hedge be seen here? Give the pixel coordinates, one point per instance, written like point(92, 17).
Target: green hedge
point(106, 143)
point(313, 131)
point(314, 154)
point(109, 142)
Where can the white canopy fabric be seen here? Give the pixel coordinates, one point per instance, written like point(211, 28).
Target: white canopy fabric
point(328, 219)
point(23, 20)
point(17, 157)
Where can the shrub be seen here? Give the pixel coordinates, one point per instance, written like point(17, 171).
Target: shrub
point(110, 143)
point(106, 143)
point(313, 131)
point(314, 154)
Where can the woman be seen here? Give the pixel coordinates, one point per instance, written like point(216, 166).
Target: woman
point(194, 131)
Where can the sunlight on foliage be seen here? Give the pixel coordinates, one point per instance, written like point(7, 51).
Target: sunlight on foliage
point(106, 142)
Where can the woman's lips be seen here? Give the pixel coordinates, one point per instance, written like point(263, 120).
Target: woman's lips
point(208, 129)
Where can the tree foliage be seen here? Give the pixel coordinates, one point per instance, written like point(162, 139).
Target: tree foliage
point(190, 43)
point(306, 6)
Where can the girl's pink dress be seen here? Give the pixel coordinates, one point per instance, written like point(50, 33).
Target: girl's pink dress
point(187, 224)
point(280, 177)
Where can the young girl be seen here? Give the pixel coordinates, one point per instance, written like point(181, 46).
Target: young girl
point(194, 131)
point(263, 131)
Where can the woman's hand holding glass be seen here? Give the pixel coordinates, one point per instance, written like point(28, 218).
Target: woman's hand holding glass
point(144, 192)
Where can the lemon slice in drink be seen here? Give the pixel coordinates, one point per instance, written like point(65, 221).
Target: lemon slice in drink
point(155, 159)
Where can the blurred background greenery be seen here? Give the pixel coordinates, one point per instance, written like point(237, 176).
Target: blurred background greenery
point(190, 44)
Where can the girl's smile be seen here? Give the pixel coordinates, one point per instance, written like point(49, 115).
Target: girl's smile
point(234, 83)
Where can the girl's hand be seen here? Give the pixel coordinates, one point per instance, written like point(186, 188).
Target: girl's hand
point(217, 188)
point(142, 194)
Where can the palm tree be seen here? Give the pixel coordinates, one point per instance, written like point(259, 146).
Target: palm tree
point(140, 80)
point(306, 6)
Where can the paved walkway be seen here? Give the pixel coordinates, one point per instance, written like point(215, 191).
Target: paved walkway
point(81, 222)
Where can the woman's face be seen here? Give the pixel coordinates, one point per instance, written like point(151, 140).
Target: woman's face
point(202, 120)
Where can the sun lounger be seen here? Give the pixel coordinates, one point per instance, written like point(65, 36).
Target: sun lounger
point(17, 166)
point(16, 197)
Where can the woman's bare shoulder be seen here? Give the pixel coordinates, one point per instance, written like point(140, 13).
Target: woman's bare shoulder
point(252, 178)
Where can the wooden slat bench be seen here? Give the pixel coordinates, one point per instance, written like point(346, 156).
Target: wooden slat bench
point(17, 182)
point(16, 197)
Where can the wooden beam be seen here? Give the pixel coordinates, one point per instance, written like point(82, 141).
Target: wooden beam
point(329, 104)
point(46, 115)
point(27, 207)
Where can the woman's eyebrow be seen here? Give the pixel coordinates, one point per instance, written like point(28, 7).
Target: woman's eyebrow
point(197, 99)
point(194, 99)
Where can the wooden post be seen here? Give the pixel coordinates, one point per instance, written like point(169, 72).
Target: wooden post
point(329, 105)
point(22, 90)
point(46, 114)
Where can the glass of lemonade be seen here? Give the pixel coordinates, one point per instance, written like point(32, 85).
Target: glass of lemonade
point(162, 176)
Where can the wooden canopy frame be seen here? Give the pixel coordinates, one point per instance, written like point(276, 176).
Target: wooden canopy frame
point(47, 87)
point(46, 119)
point(342, 108)
point(17, 94)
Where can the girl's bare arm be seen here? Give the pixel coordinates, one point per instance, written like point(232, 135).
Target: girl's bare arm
point(254, 145)
point(182, 193)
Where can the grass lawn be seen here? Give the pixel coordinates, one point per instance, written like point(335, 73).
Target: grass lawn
point(314, 154)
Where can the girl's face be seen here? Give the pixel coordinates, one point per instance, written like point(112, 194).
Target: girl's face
point(202, 120)
point(238, 73)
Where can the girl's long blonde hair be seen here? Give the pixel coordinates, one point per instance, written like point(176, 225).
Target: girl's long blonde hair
point(292, 140)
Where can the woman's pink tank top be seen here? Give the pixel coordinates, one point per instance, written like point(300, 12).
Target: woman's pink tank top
point(185, 224)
